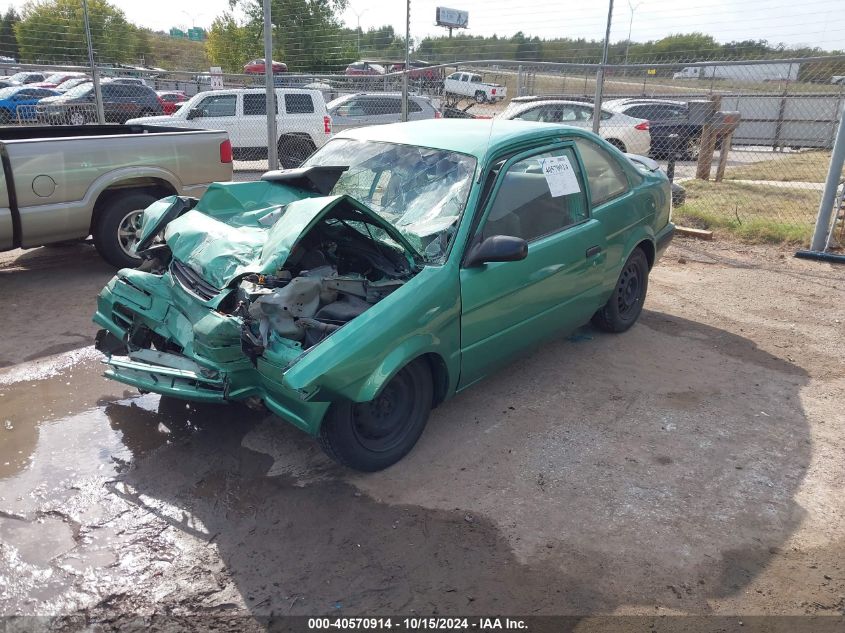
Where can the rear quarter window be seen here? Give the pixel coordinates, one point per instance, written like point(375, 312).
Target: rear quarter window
point(299, 104)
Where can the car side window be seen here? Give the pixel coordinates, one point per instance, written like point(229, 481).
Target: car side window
point(352, 108)
point(604, 173)
point(455, 76)
point(256, 104)
point(382, 105)
point(218, 105)
point(296, 103)
point(525, 206)
point(413, 106)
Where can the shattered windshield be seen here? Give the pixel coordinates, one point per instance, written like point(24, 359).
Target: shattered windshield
point(419, 190)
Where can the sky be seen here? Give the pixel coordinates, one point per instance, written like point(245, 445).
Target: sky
point(811, 22)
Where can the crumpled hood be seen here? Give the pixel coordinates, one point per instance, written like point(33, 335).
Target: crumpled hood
point(223, 248)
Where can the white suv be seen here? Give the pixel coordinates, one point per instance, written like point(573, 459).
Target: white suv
point(302, 121)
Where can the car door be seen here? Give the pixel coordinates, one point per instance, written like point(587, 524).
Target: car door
point(348, 115)
point(510, 306)
point(252, 122)
point(218, 112)
point(613, 202)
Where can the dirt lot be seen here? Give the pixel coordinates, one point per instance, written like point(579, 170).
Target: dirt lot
point(693, 465)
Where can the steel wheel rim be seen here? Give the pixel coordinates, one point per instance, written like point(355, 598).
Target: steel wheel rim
point(693, 148)
point(630, 288)
point(128, 232)
point(76, 118)
point(382, 424)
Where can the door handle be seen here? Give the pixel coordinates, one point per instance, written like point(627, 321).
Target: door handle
point(593, 250)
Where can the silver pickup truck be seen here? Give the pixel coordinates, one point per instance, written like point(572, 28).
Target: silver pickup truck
point(62, 183)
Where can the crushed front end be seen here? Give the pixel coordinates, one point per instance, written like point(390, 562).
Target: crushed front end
point(244, 285)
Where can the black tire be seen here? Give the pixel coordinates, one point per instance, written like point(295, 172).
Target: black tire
point(293, 150)
point(626, 303)
point(371, 436)
point(480, 97)
point(617, 144)
point(114, 217)
point(5, 117)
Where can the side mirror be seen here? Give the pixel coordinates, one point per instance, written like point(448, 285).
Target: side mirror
point(497, 248)
point(195, 113)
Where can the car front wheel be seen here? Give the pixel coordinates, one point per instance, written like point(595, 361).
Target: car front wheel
point(370, 436)
point(626, 303)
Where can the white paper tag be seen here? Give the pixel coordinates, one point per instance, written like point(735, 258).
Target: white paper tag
point(559, 175)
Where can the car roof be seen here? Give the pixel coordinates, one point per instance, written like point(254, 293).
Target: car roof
point(550, 97)
point(475, 137)
point(393, 95)
point(615, 103)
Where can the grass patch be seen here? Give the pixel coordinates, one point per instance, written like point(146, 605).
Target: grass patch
point(754, 213)
point(801, 167)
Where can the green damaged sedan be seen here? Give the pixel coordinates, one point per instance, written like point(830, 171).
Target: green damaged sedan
point(398, 266)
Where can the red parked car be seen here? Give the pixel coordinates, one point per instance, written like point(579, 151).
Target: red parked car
point(171, 100)
point(256, 67)
point(56, 79)
point(419, 70)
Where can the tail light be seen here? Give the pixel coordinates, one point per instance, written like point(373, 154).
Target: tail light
point(493, 91)
point(437, 114)
point(327, 124)
point(642, 126)
point(226, 151)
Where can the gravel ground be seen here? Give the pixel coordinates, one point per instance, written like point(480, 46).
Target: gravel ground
point(690, 466)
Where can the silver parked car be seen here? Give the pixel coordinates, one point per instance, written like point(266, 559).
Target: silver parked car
point(363, 109)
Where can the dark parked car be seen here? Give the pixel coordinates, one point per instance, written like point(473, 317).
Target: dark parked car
point(672, 132)
point(120, 102)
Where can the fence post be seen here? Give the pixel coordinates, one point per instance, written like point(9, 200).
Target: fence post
point(95, 72)
point(272, 147)
point(708, 142)
point(407, 60)
point(781, 112)
point(519, 80)
point(834, 172)
point(600, 72)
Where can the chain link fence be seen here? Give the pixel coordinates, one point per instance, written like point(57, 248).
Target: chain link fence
point(747, 143)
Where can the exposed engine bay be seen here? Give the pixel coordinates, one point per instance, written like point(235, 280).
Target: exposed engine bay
point(334, 274)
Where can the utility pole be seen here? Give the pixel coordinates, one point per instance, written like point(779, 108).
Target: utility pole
point(95, 72)
point(407, 60)
point(600, 72)
point(358, 31)
point(633, 8)
point(272, 147)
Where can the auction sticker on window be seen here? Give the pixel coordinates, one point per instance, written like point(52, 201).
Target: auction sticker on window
point(559, 175)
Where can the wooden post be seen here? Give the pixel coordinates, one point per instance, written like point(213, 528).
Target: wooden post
point(708, 144)
point(723, 156)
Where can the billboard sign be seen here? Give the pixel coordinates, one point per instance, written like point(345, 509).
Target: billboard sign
point(452, 18)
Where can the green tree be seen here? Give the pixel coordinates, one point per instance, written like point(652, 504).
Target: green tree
point(306, 33)
point(230, 45)
point(8, 41)
point(54, 32)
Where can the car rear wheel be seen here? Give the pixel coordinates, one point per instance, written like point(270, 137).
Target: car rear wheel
point(617, 144)
point(118, 226)
point(293, 150)
point(480, 97)
point(626, 303)
point(370, 436)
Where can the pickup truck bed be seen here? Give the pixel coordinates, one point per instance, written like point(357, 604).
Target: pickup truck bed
point(67, 182)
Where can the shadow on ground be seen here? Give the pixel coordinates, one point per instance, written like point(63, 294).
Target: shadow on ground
point(657, 468)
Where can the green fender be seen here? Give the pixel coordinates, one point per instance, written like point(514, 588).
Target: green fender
point(414, 347)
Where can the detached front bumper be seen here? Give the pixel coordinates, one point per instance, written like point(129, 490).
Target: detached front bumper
point(210, 366)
